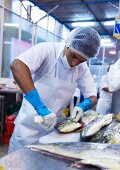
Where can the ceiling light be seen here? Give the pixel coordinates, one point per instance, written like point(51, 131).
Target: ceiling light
point(105, 40)
point(7, 42)
point(11, 24)
point(107, 44)
point(107, 23)
point(112, 52)
point(83, 24)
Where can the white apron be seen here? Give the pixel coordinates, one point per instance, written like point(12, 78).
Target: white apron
point(56, 94)
point(104, 103)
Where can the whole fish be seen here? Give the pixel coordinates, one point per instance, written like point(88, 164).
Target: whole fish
point(104, 156)
point(89, 116)
point(93, 127)
point(109, 134)
point(67, 126)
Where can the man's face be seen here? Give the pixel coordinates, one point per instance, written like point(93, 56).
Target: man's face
point(73, 58)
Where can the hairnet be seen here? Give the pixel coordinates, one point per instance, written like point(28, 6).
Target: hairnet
point(85, 42)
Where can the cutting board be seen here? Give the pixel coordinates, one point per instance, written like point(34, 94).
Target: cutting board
point(56, 137)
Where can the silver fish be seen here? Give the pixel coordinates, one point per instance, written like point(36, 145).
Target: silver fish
point(93, 127)
point(89, 116)
point(104, 156)
point(109, 134)
point(68, 125)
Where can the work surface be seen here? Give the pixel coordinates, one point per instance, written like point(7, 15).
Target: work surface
point(26, 159)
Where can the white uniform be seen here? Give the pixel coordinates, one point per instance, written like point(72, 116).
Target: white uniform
point(113, 77)
point(55, 81)
point(105, 100)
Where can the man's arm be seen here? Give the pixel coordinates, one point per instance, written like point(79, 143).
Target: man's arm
point(80, 108)
point(94, 100)
point(22, 76)
point(106, 89)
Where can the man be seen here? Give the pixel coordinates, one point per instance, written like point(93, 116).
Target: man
point(48, 74)
point(105, 99)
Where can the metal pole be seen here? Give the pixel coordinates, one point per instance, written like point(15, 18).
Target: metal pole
point(54, 32)
point(35, 36)
point(35, 40)
point(103, 60)
point(1, 36)
point(47, 27)
point(20, 28)
point(49, 12)
point(101, 69)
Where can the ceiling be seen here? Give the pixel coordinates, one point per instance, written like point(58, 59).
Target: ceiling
point(69, 11)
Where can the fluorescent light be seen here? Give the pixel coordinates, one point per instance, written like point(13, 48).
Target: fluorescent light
point(105, 40)
point(107, 23)
point(83, 24)
point(112, 52)
point(107, 44)
point(7, 42)
point(11, 24)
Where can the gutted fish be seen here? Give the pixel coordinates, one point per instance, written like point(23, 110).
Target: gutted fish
point(93, 127)
point(109, 134)
point(89, 116)
point(69, 125)
point(104, 156)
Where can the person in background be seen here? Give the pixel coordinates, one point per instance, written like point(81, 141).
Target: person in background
point(105, 99)
point(1, 86)
point(48, 74)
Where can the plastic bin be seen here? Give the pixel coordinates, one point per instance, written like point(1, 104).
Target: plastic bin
point(10, 124)
point(6, 138)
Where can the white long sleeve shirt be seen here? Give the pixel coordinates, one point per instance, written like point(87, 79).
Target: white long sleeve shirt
point(42, 57)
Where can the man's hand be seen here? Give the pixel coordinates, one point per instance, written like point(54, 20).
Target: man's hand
point(46, 122)
point(80, 108)
point(76, 113)
point(45, 116)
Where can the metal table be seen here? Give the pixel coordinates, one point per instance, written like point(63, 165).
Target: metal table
point(26, 159)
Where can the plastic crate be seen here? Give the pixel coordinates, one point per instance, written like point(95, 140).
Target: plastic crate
point(10, 124)
point(6, 138)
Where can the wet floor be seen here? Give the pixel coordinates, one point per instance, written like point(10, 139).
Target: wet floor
point(3, 150)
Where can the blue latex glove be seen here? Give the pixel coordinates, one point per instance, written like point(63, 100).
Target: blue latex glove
point(85, 105)
point(80, 108)
point(45, 118)
point(34, 99)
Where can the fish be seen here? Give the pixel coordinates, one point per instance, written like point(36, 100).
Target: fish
point(93, 127)
point(67, 126)
point(109, 134)
point(89, 116)
point(104, 156)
